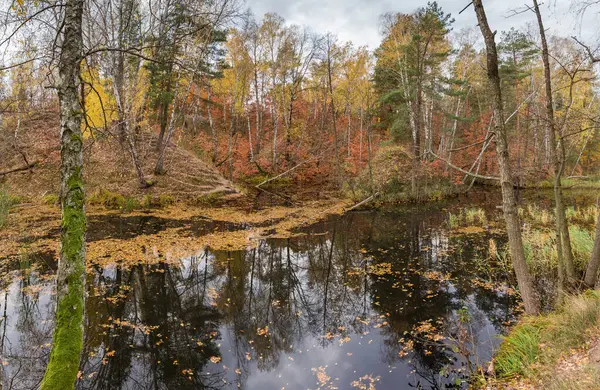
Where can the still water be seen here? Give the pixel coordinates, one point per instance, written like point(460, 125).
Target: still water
point(375, 299)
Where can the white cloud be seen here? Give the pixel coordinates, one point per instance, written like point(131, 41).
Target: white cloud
point(358, 20)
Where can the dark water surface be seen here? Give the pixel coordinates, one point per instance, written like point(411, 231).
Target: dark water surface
point(389, 299)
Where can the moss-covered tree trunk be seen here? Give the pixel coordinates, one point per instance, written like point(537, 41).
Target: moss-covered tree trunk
point(67, 343)
point(509, 207)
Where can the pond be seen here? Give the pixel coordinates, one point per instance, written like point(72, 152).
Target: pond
point(387, 299)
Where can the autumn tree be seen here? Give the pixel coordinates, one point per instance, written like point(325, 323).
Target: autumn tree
point(408, 63)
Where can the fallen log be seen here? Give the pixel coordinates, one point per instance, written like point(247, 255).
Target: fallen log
point(370, 198)
point(18, 169)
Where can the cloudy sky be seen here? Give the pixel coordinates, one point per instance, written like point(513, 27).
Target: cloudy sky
point(358, 20)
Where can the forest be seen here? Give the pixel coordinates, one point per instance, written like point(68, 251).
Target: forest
point(195, 196)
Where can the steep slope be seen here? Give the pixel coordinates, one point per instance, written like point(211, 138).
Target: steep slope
point(107, 164)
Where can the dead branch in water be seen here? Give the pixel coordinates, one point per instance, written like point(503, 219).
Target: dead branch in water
point(367, 200)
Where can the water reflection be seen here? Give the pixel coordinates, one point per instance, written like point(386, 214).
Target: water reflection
point(378, 298)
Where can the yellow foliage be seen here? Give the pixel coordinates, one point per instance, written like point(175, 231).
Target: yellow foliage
point(100, 105)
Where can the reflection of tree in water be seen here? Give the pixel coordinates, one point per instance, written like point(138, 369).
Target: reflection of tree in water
point(413, 248)
point(26, 308)
point(158, 326)
point(150, 328)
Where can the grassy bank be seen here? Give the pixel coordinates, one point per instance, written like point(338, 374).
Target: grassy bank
point(560, 350)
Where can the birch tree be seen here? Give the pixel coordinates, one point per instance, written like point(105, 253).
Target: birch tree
point(67, 341)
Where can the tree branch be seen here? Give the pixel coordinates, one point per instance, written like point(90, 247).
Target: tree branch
point(587, 49)
point(477, 176)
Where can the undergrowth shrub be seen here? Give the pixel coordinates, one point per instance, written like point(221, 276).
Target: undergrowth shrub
point(113, 200)
point(7, 201)
point(50, 199)
point(392, 178)
point(209, 200)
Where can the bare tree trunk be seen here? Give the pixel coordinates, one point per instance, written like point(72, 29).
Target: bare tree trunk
point(360, 132)
point(134, 157)
point(513, 226)
point(67, 342)
point(348, 112)
point(230, 142)
point(333, 119)
point(257, 133)
point(250, 139)
point(213, 132)
point(158, 168)
point(164, 114)
point(123, 119)
point(591, 273)
point(274, 117)
point(416, 161)
point(564, 251)
point(369, 141)
point(454, 128)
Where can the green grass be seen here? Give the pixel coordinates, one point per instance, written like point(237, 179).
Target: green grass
point(520, 349)
point(540, 248)
point(582, 243)
point(589, 182)
point(583, 215)
point(533, 348)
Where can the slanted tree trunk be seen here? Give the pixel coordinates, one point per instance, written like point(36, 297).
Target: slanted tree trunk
point(564, 251)
point(67, 342)
point(513, 226)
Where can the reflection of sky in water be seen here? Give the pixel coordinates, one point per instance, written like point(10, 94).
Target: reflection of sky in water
point(282, 284)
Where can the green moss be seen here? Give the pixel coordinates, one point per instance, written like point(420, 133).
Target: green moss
point(67, 342)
